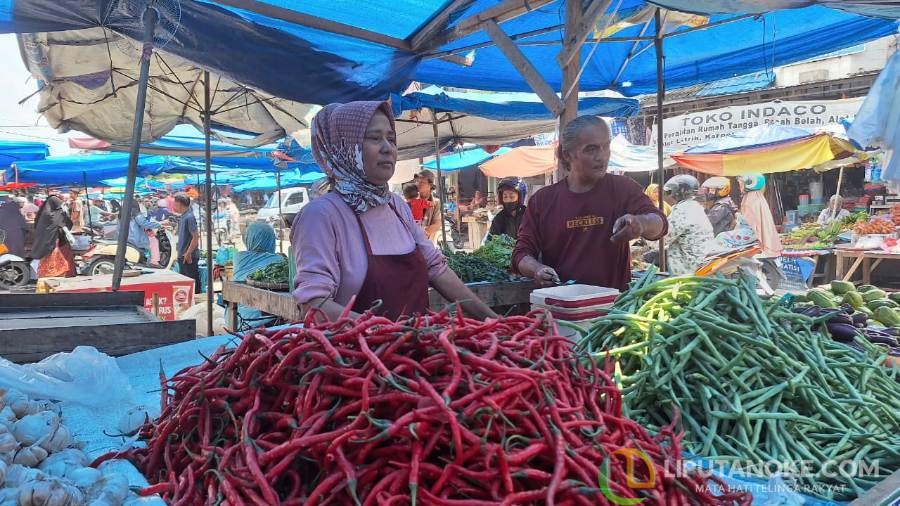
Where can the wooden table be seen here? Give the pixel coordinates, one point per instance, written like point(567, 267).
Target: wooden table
point(34, 326)
point(868, 259)
point(283, 305)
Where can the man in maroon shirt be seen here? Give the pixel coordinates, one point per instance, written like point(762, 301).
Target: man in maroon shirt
point(579, 228)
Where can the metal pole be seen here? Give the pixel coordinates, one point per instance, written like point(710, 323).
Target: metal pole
point(87, 201)
point(150, 19)
point(660, 155)
point(440, 178)
point(280, 217)
point(209, 255)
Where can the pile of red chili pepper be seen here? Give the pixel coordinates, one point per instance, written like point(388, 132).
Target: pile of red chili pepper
point(436, 410)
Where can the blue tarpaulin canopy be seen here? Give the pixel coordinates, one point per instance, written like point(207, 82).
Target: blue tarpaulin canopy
point(367, 51)
point(509, 106)
point(483, 118)
point(75, 169)
point(269, 183)
point(742, 46)
point(463, 159)
point(16, 151)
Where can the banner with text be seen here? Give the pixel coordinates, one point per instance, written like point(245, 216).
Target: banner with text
point(687, 130)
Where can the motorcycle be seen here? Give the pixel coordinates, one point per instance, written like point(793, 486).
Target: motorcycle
point(744, 260)
point(14, 270)
point(100, 257)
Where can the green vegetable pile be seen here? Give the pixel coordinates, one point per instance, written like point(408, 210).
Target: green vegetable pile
point(751, 381)
point(498, 250)
point(273, 273)
point(875, 303)
point(490, 262)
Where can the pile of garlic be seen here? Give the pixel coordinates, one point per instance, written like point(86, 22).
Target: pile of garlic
point(42, 465)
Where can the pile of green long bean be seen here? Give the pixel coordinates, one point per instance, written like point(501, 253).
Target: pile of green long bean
point(751, 380)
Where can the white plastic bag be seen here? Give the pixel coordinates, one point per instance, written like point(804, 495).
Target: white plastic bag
point(84, 376)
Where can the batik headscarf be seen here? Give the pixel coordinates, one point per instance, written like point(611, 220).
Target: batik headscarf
point(338, 131)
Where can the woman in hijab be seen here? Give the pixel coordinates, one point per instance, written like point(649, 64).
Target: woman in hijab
point(756, 212)
point(260, 241)
point(50, 243)
point(652, 191)
point(358, 245)
point(13, 224)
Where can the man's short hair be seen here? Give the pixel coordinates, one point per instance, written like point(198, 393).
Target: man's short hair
point(183, 199)
point(427, 174)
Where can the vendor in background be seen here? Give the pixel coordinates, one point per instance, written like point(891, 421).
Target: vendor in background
point(260, 241)
point(431, 219)
point(756, 212)
point(579, 228)
point(835, 211)
point(358, 243)
point(721, 211)
point(188, 240)
point(690, 234)
point(512, 195)
point(76, 211)
point(652, 191)
point(51, 243)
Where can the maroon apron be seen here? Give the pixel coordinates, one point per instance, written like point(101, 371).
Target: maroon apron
point(399, 281)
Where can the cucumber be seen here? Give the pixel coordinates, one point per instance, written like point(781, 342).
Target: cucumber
point(887, 316)
point(874, 295)
point(820, 298)
point(875, 304)
point(841, 287)
point(854, 299)
point(894, 296)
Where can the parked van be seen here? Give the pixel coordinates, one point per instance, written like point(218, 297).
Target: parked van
point(292, 200)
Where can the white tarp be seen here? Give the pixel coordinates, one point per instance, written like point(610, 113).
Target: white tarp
point(88, 82)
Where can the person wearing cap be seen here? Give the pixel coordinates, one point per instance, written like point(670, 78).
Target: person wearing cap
point(512, 195)
point(721, 211)
point(431, 217)
point(357, 246)
point(690, 236)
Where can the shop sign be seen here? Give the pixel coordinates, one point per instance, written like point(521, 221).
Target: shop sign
point(686, 130)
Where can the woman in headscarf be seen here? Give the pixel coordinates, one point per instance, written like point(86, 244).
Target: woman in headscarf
point(13, 224)
point(652, 191)
point(50, 243)
point(260, 241)
point(358, 244)
point(756, 212)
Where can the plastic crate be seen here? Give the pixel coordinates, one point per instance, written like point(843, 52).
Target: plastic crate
point(573, 296)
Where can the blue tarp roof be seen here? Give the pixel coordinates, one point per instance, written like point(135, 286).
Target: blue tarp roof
point(739, 84)
point(463, 159)
point(72, 169)
point(736, 48)
point(239, 43)
point(287, 180)
point(508, 106)
point(15, 151)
